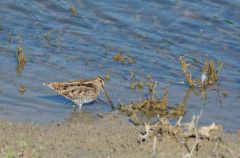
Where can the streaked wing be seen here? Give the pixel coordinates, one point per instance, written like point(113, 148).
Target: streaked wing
point(76, 93)
point(72, 90)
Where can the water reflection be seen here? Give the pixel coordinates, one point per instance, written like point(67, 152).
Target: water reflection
point(61, 44)
point(21, 61)
point(80, 116)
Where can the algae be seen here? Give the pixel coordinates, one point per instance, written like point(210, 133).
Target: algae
point(152, 107)
point(22, 89)
point(73, 10)
point(107, 76)
point(209, 74)
point(21, 60)
point(123, 58)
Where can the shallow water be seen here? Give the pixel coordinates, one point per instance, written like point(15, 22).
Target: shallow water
point(60, 46)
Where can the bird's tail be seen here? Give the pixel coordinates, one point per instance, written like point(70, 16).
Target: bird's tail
point(48, 85)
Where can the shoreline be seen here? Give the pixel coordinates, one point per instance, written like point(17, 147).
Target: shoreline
point(92, 136)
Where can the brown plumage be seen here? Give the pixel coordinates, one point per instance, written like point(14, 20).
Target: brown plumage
point(80, 91)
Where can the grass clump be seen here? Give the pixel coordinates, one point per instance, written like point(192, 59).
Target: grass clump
point(137, 85)
point(209, 74)
point(73, 10)
point(21, 60)
point(151, 107)
point(140, 84)
point(122, 58)
point(107, 76)
point(22, 89)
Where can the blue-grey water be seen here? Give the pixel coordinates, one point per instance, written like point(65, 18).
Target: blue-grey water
point(61, 46)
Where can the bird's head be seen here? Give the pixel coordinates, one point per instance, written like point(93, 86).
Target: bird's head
point(100, 81)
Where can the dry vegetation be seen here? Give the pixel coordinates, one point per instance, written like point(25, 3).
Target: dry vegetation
point(21, 60)
point(137, 84)
point(184, 132)
point(22, 89)
point(122, 58)
point(107, 76)
point(209, 73)
point(181, 132)
point(73, 10)
point(152, 107)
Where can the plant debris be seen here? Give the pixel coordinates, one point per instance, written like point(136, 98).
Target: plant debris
point(186, 130)
point(48, 34)
point(137, 84)
point(107, 76)
point(140, 84)
point(22, 89)
point(152, 107)
point(181, 132)
point(21, 60)
point(73, 10)
point(124, 59)
point(209, 73)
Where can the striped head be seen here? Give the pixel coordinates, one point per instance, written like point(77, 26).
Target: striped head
point(99, 82)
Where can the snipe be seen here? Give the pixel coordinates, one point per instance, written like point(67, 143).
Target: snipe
point(80, 91)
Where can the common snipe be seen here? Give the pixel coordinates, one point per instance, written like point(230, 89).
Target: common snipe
point(80, 91)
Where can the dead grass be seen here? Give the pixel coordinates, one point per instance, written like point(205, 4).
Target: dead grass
point(73, 10)
point(209, 73)
point(148, 82)
point(182, 133)
point(21, 60)
point(123, 58)
point(152, 107)
point(22, 89)
point(107, 76)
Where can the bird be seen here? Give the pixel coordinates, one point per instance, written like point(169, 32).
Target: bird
point(80, 91)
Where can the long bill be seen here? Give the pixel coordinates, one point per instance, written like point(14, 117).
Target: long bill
point(108, 98)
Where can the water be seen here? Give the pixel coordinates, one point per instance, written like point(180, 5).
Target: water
point(60, 46)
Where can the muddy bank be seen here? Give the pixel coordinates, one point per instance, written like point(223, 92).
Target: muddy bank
point(87, 135)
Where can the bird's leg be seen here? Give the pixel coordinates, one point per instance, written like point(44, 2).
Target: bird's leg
point(79, 106)
point(73, 105)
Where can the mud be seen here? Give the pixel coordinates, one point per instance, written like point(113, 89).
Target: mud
point(88, 135)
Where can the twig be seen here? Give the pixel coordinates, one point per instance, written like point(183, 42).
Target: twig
point(154, 146)
point(228, 149)
point(215, 149)
point(179, 121)
point(189, 155)
point(143, 137)
point(153, 90)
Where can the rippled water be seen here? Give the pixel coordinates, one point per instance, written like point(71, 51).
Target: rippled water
point(60, 46)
